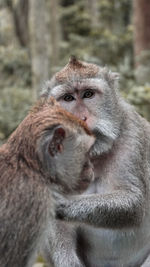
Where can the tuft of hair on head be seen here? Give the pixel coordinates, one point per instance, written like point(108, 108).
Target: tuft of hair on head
point(76, 67)
point(75, 63)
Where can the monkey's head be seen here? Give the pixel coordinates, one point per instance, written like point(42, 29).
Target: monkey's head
point(55, 143)
point(89, 92)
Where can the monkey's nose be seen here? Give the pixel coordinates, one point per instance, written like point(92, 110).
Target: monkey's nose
point(84, 118)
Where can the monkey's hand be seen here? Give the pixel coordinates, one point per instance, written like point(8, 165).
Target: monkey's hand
point(60, 245)
point(60, 210)
point(61, 202)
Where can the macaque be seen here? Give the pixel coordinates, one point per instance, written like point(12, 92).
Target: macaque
point(47, 155)
point(111, 218)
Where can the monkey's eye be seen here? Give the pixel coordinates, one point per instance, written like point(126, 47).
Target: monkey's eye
point(88, 94)
point(68, 97)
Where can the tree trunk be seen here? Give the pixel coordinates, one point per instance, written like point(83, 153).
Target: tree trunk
point(20, 9)
point(141, 11)
point(54, 31)
point(92, 6)
point(39, 44)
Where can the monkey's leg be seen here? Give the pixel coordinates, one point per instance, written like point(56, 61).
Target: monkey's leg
point(60, 245)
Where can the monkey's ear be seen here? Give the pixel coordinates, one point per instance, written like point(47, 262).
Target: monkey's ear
point(114, 78)
point(56, 142)
point(115, 75)
point(111, 77)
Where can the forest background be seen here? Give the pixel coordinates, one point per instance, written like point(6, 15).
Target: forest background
point(37, 37)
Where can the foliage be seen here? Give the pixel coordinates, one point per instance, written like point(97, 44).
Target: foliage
point(139, 96)
point(14, 105)
point(14, 67)
point(15, 94)
point(108, 43)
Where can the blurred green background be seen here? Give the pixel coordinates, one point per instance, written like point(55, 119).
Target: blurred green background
point(37, 37)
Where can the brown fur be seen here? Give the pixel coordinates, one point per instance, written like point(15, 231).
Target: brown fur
point(27, 205)
point(49, 111)
point(75, 66)
point(56, 110)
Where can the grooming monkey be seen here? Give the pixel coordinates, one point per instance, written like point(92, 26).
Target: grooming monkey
point(113, 214)
point(46, 155)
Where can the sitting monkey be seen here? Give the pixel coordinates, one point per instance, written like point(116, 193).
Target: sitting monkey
point(47, 154)
point(113, 215)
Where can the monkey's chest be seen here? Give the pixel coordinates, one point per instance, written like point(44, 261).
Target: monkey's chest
point(112, 248)
point(99, 186)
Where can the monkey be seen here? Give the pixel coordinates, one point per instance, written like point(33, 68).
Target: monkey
point(111, 218)
point(46, 155)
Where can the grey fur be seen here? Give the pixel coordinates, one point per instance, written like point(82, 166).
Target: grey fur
point(113, 216)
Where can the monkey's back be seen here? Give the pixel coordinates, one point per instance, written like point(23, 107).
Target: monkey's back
point(21, 216)
point(26, 202)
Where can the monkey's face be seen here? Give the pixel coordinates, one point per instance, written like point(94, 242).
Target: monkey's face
point(64, 153)
point(80, 97)
point(93, 101)
point(89, 92)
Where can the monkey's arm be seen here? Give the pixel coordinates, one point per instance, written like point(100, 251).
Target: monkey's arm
point(122, 208)
point(124, 203)
point(60, 245)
